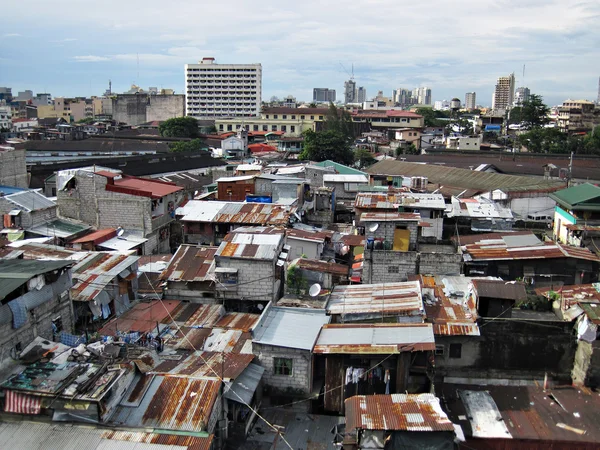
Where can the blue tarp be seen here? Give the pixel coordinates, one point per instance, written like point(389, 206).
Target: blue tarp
point(493, 128)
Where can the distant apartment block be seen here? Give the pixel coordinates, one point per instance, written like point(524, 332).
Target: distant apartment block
point(222, 90)
point(423, 95)
point(470, 100)
point(504, 92)
point(350, 92)
point(521, 95)
point(323, 95)
point(578, 116)
point(361, 94)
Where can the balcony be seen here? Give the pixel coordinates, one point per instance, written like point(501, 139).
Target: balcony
point(161, 221)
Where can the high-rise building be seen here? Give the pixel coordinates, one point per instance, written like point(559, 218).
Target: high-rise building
point(323, 95)
point(521, 95)
point(504, 92)
point(361, 94)
point(470, 100)
point(350, 91)
point(222, 90)
point(422, 95)
point(402, 97)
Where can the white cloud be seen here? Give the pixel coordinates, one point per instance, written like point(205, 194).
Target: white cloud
point(7, 35)
point(65, 40)
point(91, 58)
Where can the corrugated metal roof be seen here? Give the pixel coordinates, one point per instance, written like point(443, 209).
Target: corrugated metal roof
point(244, 386)
point(392, 200)
point(390, 217)
point(93, 273)
point(592, 311)
point(251, 246)
point(376, 338)
point(48, 252)
point(30, 201)
point(464, 178)
point(204, 316)
point(191, 263)
point(238, 321)
point(289, 327)
point(498, 250)
point(456, 329)
point(500, 289)
point(578, 197)
point(320, 266)
point(24, 435)
point(16, 272)
point(571, 295)
point(396, 412)
point(479, 208)
point(226, 365)
point(61, 228)
point(235, 179)
point(123, 243)
point(172, 403)
point(387, 298)
point(304, 235)
point(254, 214)
point(199, 210)
point(486, 420)
point(142, 317)
point(156, 189)
point(348, 178)
point(97, 237)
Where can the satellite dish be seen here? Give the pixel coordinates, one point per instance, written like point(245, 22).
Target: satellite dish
point(373, 228)
point(120, 232)
point(314, 290)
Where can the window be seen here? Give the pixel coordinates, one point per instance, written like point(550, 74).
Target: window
point(455, 350)
point(255, 127)
point(283, 366)
point(293, 128)
point(265, 127)
point(293, 117)
point(320, 117)
point(267, 116)
point(393, 269)
point(229, 127)
point(283, 128)
point(439, 350)
point(275, 116)
point(284, 117)
point(273, 127)
point(302, 117)
point(312, 117)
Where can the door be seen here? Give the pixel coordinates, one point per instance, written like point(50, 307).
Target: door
point(401, 239)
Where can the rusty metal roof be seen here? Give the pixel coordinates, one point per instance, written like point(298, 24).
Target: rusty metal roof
point(456, 329)
point(396, 412)
point(587, 296)
point(378, 338)
point(199, 364)
point(353, 240)
point(508, 290)
point(40, 251)
point(305, 235)
point(93, 273)
point(222, 340)
point(191, 263)
point(238, 321)
point(251, 246)
point(162, 439)
point(205, 316)
point(142, 317)
point(320, 266)
point(392, 200)
point(498, 251)
point(390, 217)
point(97, 237)
point(402, 298)
point(172, 403)
point(254, 214)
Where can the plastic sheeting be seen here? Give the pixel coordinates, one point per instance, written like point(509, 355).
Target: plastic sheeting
point(35, 298)
point(64, 283)
point(19, 312)
point(586, 330)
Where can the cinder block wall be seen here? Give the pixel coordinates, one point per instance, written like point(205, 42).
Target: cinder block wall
point(301, 367)
point(13, 170)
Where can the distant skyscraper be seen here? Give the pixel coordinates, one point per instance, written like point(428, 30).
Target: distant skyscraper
point(361, 94)
point(423, 95)
point(521, 95)
point(350, 91)
point(470, 101)
point(402, 97)
point(323, 95)
point(504, 92)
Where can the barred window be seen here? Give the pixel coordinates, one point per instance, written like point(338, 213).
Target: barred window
point(283, 366)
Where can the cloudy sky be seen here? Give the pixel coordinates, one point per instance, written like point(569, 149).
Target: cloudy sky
point(74, 47)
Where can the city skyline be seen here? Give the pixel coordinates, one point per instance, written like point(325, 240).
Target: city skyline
point(80, 54)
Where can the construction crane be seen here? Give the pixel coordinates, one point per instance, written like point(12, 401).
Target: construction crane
point(351, 75)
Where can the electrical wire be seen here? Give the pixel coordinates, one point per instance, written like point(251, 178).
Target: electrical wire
point(273, 427)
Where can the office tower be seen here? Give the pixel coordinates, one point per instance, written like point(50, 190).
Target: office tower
point(361, 94)
point(504, 92)
point(222, 90)
point(521, 95)
point(323, 95)
point(470, 100)
point(402, 97)
point(350, 91)
point(422, 95)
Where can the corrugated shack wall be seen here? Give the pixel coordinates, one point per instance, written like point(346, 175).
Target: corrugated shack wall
point(334, 383)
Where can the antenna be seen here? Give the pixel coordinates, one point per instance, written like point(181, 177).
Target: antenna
point(314, 290)
point(120, 232)
point(373, 227)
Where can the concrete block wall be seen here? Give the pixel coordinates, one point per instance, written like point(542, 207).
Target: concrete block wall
point(386, 266)
point(440, 263)
point(386, 231)
point(301, 367)
point(130, 108)
point(255, 278)
point(28, 219)
point(164, 107)
point(13, 170)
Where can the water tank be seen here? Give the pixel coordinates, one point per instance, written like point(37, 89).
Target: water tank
point(455, 103)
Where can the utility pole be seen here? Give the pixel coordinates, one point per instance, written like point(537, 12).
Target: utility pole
point(570, 170)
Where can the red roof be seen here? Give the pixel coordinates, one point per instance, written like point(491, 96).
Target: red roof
point(143, 187)
point(97, 237)
point(142, 317)
point(107, 174)
point(261, 148)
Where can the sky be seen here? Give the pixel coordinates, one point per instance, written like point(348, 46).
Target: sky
point(72, 48)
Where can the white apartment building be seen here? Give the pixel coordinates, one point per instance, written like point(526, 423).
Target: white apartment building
point(222, 90)
point(5, 118)
point(470, 100)
point(504, 93)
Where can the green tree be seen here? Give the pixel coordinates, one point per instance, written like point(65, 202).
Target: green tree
point(195, 145)
point(182, 127)
point(363, 158)
point(432, 117)
point(328, 144)
point(87, 121)
point(339, 121)
point(533, 113)
point(544, 140)
point(591, 142)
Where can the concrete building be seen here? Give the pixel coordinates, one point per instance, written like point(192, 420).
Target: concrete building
point(350, 91)
point(5, 118)
point(323, 95)
point(35, 302)
point(222, 90)
point(402, 97)
point(463, 142)
point(26, 209)
point(136, 109)
point(578, 116)
point(361, 94)
point(577, 205)
point(422, 95)
point(106, 198)
point(470, 100)
point(102, 107)
point(42, 99)
point(248, 266)
point(190, 274)
point(521, 95)
point(504, 93)
point(13, 170)
point(283, 340)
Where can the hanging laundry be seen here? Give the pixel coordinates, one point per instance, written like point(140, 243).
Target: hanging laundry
point(386, 379)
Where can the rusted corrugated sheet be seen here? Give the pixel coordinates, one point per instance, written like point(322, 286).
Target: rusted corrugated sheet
point(456, 329)
point(191, 442)
point(207, 365)
point(238, 321)
point(499, 251)
point(142, 317)
point(352, 240)
point(397, 412)
point(392, 200)
point(191, 263)
point(389, 217)
point(304, 235)
point(251, 246)
point(500, 289)
point(254, 213)
point(205, 316)
point(181, 403)
point(322, 266)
